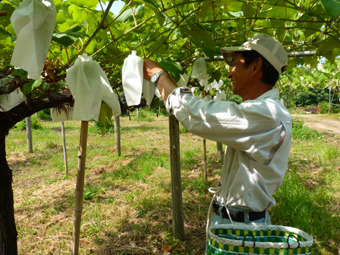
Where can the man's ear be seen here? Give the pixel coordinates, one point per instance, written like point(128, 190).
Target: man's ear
point(257, 64)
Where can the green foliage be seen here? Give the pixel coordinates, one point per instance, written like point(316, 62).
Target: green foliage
point(324, 107)
point(34, 124)
point(98, 128)
point(68, 37)
point(104, 120)
point(198, 185)
point(182, 130)
point(312, 96)
point(145, 115)
point(45, 114)
point(235, 98)
point(300, 131)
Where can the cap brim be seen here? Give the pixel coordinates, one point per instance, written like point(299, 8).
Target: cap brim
point(229, 52)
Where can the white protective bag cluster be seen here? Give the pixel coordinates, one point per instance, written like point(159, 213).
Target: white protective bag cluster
point(133, 83)
point(89, 86)
point(33, 23)
point(9, 101)
point(58, 116)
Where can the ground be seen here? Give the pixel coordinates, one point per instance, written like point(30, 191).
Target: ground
point(124, 211)
point(322, 122)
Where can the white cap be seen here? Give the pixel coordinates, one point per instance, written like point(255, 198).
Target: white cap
point(271, 49)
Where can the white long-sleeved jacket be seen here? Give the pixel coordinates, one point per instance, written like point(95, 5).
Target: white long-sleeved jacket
point(257, 134)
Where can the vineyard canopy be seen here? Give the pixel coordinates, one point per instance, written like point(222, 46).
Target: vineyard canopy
point(177, 31)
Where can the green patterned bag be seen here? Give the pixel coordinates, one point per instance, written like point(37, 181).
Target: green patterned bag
point(240, 238)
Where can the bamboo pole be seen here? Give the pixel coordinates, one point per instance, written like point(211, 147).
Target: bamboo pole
point(79, 188)
point(29, 134)
point(117, 134)
point(176, 182)
point(64, 147)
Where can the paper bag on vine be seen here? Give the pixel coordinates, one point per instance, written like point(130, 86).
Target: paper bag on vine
point(133, 83)
point(89, 86)
point(33, 23)
point(9, 101)
point(132, 79)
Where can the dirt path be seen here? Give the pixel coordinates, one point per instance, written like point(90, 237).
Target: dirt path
point(322, 122)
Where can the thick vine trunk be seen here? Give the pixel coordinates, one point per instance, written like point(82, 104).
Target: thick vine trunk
point(8, 232)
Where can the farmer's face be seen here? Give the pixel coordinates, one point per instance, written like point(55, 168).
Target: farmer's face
point(239, 75)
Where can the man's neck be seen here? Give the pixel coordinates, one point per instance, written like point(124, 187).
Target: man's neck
point(256, 91)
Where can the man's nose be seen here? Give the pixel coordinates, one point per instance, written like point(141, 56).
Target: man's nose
point(229, 75)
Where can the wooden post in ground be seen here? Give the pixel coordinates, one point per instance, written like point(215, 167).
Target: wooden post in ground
point(29, 134)
point(220, 152)
point(117, 135)
point(176, 182)
point(203, 94)
point(79, 188)
point(64, 147)
point(205, 159)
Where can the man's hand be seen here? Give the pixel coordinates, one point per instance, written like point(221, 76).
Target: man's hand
point(166, 84)
point(150, 68)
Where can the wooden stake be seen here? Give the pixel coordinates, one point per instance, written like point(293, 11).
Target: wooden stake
point(205, 160)
point(219, 151)
point(29, 134)
point(176, 182)
point(117, 133)
point(64, 147)
point(79, 188)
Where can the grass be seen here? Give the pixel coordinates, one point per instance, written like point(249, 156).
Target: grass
point(127, 199)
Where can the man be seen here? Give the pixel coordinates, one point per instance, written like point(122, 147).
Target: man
point(257, 132)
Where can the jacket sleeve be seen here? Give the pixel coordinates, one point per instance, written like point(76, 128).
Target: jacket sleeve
point(252, 127)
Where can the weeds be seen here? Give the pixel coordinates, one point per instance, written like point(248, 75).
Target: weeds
point(34, 124)
point(302, 132)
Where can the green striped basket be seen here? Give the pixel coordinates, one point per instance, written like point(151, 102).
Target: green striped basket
point(240, 238)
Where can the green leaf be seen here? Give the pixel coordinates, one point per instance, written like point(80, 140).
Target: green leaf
point(172, 68)
point(207, 51)
point(27, 88)
point(205, 9)
point(104, 114)
point(68, 37)
point(78, 13)
point(248, 10)
point(37, 83)
point(200, 35)
point(7, 34)
point(332, 7)
point(216, 75)
point(30, 86)
point(329, 49)
point(151, 4)
point(87, 3)
point(235, 14)
point(322, 77)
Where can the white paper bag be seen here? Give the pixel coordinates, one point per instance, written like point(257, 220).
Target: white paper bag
point(61, 116)
point(33, 23)
point(183, 80)
point(149, 90)
point(199, 69)
point(8, 101)
point(132, 79)
point(89, 86)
